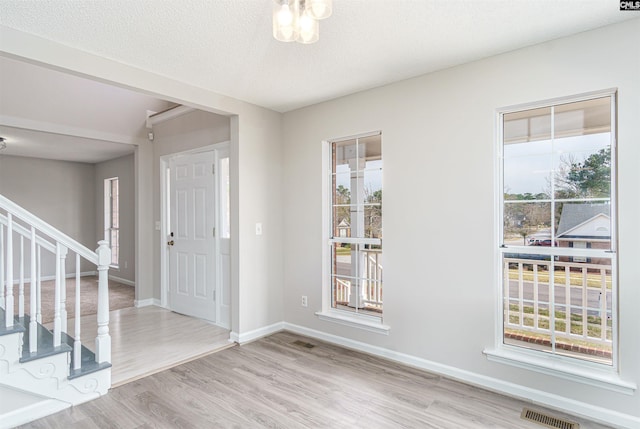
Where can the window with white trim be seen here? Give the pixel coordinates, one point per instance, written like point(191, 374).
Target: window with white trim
point(356, 225)
point(558, 221)
point(112, 218)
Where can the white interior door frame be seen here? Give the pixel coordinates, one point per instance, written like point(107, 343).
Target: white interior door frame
point(165, 227)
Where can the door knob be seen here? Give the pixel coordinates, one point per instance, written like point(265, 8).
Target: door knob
point(170, 243)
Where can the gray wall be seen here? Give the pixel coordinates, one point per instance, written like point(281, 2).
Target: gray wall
point(59, 192)
point(122, 168)
point(439, 143)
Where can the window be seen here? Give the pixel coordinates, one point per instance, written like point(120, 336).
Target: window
point(356, 225)
point(225, 198)
point(558, 259)
point(112, 218)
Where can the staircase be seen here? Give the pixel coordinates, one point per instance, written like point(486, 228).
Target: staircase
point(44, 367)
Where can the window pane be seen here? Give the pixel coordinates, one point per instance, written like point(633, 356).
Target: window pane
point(583, 167)
point(369, 151)
point(343, 263)
point(342, 188)
point(340, 292)
point(373, 182)
point(527, 177)
point(527, 126)
point(527, 223)
point(582, 117)
point(373, 221)
point(225, 199)
point(585, 222)
point(580, 324)
point(344, 154)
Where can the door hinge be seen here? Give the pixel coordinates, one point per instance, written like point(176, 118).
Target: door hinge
point(214, 231)
point(214, 295)
point(213, 169)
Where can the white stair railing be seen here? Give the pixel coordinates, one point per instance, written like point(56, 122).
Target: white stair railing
point(16, 222)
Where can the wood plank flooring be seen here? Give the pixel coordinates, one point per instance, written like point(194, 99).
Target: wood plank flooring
point(276, 384)
point(151, 339)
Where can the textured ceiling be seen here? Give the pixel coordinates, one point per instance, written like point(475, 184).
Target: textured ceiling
point(226, 46)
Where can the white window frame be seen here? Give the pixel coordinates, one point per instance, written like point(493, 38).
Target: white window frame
point(108, 220)
point(591, 373)
point(328, 313)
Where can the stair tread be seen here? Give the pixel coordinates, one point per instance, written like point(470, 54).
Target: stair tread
point(45, 346)
point(87, 358)
point(45, 343)
point(16, 328)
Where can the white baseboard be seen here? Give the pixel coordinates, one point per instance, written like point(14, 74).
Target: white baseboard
point(598, 414)
point(121, 280)
point(16, 282)
point(146, 302)
point(256, 333)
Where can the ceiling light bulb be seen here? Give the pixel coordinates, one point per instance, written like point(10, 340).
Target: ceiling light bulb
point(320, 9)
point(285, 17)
point(285, 21)
point(309, 29)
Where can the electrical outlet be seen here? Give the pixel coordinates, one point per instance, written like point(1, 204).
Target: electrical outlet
point(304, 301)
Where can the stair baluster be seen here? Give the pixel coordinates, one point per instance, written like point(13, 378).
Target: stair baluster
point(103, 340)
point(8, 300)
point(21, 285)
point(39, 287)
point(77, 344)
point(57, 325)
point(63, 289)
point(33, 325)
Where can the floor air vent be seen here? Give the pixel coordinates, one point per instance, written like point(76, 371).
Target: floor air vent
point(303, 344)
point(546, 420)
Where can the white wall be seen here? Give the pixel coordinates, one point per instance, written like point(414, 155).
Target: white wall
point(439, 139)
point(123, 169)
point(59, 192)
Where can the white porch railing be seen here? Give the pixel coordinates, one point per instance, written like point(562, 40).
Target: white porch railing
point(19, 225)
point(371, 282)
point(566, 301)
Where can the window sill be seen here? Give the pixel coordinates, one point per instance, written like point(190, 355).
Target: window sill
point(354, 322)
point(550, 365)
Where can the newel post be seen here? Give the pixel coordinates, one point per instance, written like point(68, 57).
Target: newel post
point(103, 340)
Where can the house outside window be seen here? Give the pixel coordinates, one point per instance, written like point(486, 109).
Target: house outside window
point(112, 218)
point(558, 209)
point(356, 226)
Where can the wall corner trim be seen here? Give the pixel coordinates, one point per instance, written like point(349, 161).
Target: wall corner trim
point(121, 280)
point(243, 338)
point(138, 303)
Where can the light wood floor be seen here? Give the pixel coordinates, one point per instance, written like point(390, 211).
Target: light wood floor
point(151, 339)
point(274, 383)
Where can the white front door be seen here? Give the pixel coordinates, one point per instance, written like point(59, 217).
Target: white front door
point(192, 247)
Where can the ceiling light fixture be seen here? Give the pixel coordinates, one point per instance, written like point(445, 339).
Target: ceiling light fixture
point(297, 20)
